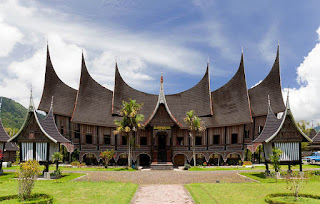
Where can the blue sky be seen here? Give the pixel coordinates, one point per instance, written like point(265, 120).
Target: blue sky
point(147, 37)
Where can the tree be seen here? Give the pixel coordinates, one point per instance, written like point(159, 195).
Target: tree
point(302, 124)
point(106, 156)
point(57, 157)
point(27, 174)
point(130, 123)
point(195, 125)
point(275, 160)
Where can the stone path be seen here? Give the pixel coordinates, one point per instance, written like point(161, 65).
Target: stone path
point(166, 177)
point(162, 194)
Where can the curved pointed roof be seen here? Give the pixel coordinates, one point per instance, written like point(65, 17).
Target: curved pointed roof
point(53, 86)
point(47, 125)
point(271, 86)
point(93, 103)
point(124, 92)
point(4, 137)
point(197, 98)
point(230, 103)
point(273, 127)
point(162, 113)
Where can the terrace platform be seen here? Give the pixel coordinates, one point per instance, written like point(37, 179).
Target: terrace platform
point(161, 166)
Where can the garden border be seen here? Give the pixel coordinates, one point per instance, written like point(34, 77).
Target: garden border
point(44, 198)
point(270, 196)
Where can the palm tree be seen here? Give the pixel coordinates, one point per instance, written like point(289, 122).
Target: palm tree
point(195, 126)
point(130, 123)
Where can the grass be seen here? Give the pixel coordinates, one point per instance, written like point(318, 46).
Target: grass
point(63, 168)
point(66, 191)
point(217, 168)
point(247, 192)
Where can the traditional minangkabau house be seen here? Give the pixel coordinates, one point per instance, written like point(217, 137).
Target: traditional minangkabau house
point(7, 149)
point(284, 134)
point(39, 139)
point(233, 114)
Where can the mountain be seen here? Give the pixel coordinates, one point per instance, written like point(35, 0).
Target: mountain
point(12, 113)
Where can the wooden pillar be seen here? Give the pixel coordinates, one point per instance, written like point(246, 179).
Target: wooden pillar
point(225, 138)
point(243, 136)
point(265, 159)
point(48, 157)
point(207, 139)
point(300, 157)
point(20, 152)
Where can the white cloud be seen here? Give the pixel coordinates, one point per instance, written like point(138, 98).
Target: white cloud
point(304, 101)
point(31, 24)
point(9, 36)
point(267, 45)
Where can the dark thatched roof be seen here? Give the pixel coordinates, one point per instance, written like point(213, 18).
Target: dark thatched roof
point(273, 128)
point(4, 137)
point(230, 103)
point(271, 86)
point(196, 98)
point(47, 125)
point(53, 87)
point(11, 146)
point(123, 92)
point(93, 104)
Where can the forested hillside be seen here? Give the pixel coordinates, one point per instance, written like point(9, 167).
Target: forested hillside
point(12, 113)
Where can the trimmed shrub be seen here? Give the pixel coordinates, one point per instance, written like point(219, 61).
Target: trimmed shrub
point(34, 198)
point(270, 196)
point(27, 174)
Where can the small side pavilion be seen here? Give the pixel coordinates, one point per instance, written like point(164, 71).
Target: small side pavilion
point(7, 150)
point(284, 134)
point(38, 139)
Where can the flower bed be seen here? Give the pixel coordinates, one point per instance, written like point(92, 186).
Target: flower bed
point(35, 198)
point(282, 198)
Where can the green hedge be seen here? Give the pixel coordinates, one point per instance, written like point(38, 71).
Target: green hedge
point(35, 198)
point(270, 196)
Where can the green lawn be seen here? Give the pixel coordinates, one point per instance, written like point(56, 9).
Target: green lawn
point(66, 191)
point(246, 192)
point(53, 167)
point(283, 167)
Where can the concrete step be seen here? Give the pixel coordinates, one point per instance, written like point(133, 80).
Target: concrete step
point(161, 166)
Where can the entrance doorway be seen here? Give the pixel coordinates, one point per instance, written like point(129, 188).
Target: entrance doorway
point(162, 147)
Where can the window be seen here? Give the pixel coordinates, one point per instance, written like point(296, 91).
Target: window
point(88, 138)
point(246, 133)
point(143, 140)
point(179, 141)
point(61, 130)
point(260, 128)
point(77, 131)
point(234, 138)
point(198, 140)
point(124, 140)
point(107, 139)
point(216, 139)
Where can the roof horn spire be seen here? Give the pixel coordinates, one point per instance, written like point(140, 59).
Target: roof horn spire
point(269, 103)
point(31, 105)
point(161, 79)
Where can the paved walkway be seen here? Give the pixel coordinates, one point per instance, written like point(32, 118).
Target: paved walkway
point(166, 177)
point(162, 194)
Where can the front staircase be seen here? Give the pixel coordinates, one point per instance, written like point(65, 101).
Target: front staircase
point(161, 166)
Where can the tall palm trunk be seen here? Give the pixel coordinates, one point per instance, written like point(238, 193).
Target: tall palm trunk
point(129, 152)
point(194, 149)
